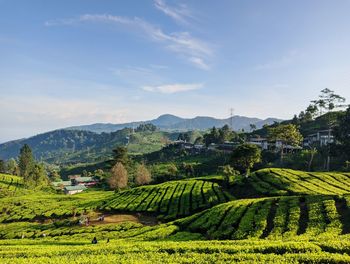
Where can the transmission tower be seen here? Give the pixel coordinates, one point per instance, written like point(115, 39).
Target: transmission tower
point(231, 117)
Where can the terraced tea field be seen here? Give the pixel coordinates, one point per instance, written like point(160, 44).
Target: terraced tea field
point(135, 252)
point(40, 205)
point(10, 185)
point(170, 200)
point(276, 182)
point(167, 201)
point(274, 218)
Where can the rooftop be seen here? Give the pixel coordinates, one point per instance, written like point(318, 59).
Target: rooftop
point(84, 179)
point(64, 183)
point(75, 188)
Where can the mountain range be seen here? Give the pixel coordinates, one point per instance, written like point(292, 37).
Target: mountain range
point(169, 122)
point(90, 143)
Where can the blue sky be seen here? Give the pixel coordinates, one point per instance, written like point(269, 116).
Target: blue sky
point(77, 62)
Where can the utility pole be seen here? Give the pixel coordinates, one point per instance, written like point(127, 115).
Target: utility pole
point(331, 125)
point(231, 117)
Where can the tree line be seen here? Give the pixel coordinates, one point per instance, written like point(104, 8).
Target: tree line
point(34, 174)
point(120, 164)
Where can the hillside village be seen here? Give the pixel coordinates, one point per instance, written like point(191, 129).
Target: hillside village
point(75, 184)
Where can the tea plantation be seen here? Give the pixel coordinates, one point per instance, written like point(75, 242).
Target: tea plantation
point(272, 216)
point(10, 185)
point(275, 182)
point(170, 200)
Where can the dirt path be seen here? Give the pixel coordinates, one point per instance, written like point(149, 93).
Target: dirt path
point(120, 218)
point(95, 218)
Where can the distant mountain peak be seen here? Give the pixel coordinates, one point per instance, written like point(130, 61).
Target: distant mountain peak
point(173, 122)
point(168, 116)
point(102, 135)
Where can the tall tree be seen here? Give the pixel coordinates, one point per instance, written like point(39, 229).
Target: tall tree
point(120, 154)
point(37, 177)
point(328, 101)
point(12, 167)
point(287, 134)
point(54, 176)
point(245, 156)
point(119, 177)
point(225, 134)
point(228, 172)
point(219, 136)
point(143, 176)
point(212, 136)
point(311, 111)
point(312, 152)
point(26, 162)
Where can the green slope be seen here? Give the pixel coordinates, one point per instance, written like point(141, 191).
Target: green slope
point(272, 182)
point(169, 200)
point(281, 216)
point(136, 252)
point(73, 146)
point(10, 185)
point(308, 127)
point(274, 218)
point(40, 205)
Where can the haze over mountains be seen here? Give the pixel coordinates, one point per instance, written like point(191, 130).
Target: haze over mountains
point(169, 122)
point(90, 142)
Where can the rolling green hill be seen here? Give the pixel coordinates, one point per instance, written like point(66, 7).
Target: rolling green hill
point(274, 218)
point(277, 216)
point(170, 200)
point(276, 182)
point(308, 127)
point(42, 205)
point(74, 146)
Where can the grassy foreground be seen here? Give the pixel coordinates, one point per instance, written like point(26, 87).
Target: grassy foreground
point(128, 251)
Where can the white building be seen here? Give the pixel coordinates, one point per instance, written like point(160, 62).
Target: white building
point(264, 144)
point(74, 189)
point(321, 138)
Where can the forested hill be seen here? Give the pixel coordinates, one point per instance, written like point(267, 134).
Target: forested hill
point(70, 146)
point(307, 127)
point(175, 123)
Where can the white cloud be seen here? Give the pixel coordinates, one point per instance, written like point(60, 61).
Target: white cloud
point(284, 61)
point(195, 50)
point(37, 114)
point(179, 13)
point(89, 18)
point(198, 62)
point(52, 110)
point(173, 88)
